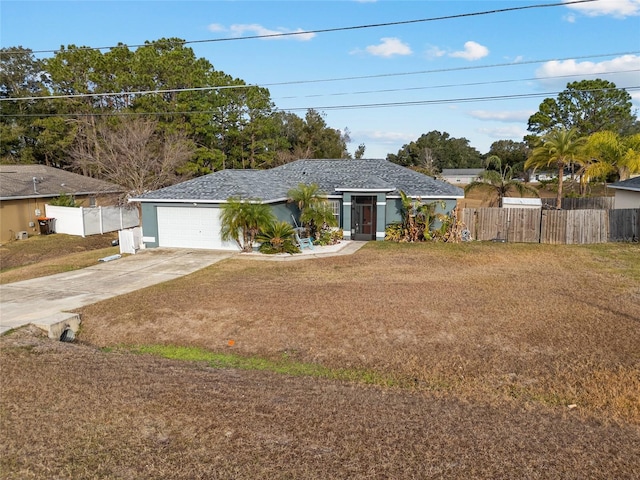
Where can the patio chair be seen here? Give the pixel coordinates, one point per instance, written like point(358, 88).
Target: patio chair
point(303, 243)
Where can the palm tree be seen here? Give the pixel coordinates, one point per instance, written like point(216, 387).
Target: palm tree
point(418, 218)
point(497, 180)
point(558, 148)
point(607, 153)
point(315, 210)
point(244, 218)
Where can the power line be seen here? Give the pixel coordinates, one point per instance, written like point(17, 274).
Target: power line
point(444, 101)
point(337, 29)
point(303, 82)
point(451, 85)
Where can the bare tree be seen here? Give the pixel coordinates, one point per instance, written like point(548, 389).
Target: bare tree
point(130, 152)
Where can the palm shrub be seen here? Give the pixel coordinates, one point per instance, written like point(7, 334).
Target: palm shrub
point(417, 218)
point(242, 220)
point(277, 237)
point(316, 212)
point(497, 181)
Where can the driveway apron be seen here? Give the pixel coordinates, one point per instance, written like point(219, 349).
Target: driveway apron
point(25, 302)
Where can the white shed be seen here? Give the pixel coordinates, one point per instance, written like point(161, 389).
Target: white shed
point(515, 202)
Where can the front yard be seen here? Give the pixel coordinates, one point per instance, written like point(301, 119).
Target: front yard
point(480, 360)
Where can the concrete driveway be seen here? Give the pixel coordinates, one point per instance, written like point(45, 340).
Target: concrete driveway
point(44, 300)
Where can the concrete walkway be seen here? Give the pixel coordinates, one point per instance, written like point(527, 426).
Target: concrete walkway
point(46, 301)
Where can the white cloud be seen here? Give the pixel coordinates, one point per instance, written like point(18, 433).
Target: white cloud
point(504, 133)
point(472, 51)
point(435, 52)
point(243, 30)
point(619, 70)
point(387, 137)
point(503, 116)
point(389, 47)
point(614, 8)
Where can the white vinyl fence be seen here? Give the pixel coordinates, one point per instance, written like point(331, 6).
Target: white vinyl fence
point(92, 221)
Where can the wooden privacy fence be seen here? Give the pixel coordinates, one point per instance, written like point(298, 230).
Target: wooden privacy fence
point(526, 225)
point(580, 203)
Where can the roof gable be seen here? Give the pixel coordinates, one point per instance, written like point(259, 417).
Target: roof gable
point(40, 181)
point(332, 176)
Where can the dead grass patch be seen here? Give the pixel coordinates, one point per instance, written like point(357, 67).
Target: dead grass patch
point(49, 254)
point(72, 411)
point(555, 325)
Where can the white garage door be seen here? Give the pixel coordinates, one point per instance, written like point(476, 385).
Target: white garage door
point(188, 227)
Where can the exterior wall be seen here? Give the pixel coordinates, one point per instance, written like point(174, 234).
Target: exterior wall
point(381, 215)
point(388, 210)
point(627, 199)
point(457, 180)
point(346, 215)
point(150, 224)
point(284, 211)
point(17, 215)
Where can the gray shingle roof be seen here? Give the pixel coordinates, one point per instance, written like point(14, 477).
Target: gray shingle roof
point(332, 176)
point(17, 181)
point(630, 184)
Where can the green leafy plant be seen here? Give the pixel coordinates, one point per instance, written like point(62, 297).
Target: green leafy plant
point(64, 200)
point(316, 212)
point(329, 236)
point(394, 232)
point(277, 237)
point(242, 220)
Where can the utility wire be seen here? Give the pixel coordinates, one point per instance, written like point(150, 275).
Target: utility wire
point(330, 107)
point(303, 82)
point(339, 29)
point(452, 85)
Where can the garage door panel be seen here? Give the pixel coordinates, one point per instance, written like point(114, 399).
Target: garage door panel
point(190, 227)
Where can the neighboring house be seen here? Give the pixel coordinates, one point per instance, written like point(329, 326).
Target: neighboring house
point(461, 176)
point(627, 193)
point(364, 194)
point(26, 189)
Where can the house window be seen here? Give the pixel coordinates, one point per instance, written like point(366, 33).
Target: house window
point(335, 205)
point(92, 201)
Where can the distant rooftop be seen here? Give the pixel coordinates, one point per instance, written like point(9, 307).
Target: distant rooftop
point(40, 181)
point(630, 184)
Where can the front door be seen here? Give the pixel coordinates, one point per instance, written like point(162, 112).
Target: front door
point(363, 218)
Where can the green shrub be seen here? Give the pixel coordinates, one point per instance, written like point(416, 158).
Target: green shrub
point(329, 236)
point(277, 237)
point(63, 200)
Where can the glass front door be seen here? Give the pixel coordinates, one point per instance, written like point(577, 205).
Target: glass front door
point(363, 218)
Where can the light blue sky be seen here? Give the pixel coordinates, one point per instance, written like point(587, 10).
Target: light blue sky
point(442, 65)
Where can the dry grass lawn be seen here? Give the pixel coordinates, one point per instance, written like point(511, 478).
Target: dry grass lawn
point(43, 255)
point(483, 361)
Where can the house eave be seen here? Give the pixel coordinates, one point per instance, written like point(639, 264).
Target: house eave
point(431, 197)
point(55, 195)
point(196, 200)
point(361, 190)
